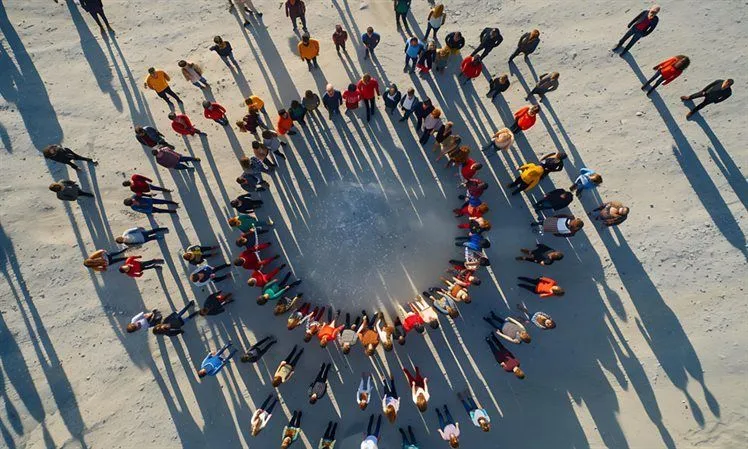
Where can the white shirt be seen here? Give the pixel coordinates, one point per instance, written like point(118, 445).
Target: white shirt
point(194, 76)
point(417, 391)
point(389, 400)
point(449, 430)
point(133, 236)
point(140, 319)
point(561, 225)
point(364, 388)
point(369, 443)
point(436, 22)
point(408, 102)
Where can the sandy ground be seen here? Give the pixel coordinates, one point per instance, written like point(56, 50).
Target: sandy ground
point(650, 348)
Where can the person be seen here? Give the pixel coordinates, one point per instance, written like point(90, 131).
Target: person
point(666, 71)
point(213, 363)
point(401, 11)
point(256, 351)
point(144, 320)
point(552, 162)
point(471, 68)
point(588, 179)
point(498, 85)
point(261, 153)
point(348, 336)
point(271, 141)
point(167, 157)
point(193, 73)
point(246, 7)
point(255, 104)
point(469, 170)
point(540, 319)
point(310, 101)
point(411, 320)
point(442, 135)
point(392, 98)
point(422, 111)
point(478, 415)
point(313, 322)
point(548, 82)
point(292, 431)
point(274, 289)
point(611, 213)
point(215, 112)
point(308, 51)
point(560, 225)
point(715, 92)
point(297, 112)
point(448, 429)
point(318, 388)
point(435, 20)
point(251, 178)
point(332, 100)
point(250, 259)
point(207, 274)
point(151, 137)
point(527, 44)
point(543, 286)
point(506, 359)
point(196, 254)
point(419, 388)
point(296, 9)
point(224, 50)
point(146, 205)
point(96, 9)
point(409, 440)
point(442, 302)
point(442, 58)
point(172, 325)
point(100, 260)
point(285, 304)
point(642, 25)
point(286, 368)
point(368, 335)
point(214, 303)
point(261, 416)
point(329, 332)
point(425, 311)
point(390, 399)
point(427, 58)
point(529, 177)
point(250, 123)
point(247, 223)
point(409, 104)
point(182, 125)
point(490, 38)
point(454, 42)
point(64, 155)
point(385, 332)
point(339, 38)
point(285, 124)
point(555, 199)
point(67, 190)
point(370, 39)
point(141, 185)
point(363, 394)
point(134, 268)
point(372, 438)
point(524, 118)
point(158, 80)
point(328, 439)
point(369, 89)
point(508, 328)
point(245, 204)
point(134, 237)
point(258, 278)
point(430, 124)
point(541, 255)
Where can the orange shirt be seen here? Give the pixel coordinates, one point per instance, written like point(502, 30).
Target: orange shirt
point(544, 287)
point(525, 120)
point(668, 70)
point(328, 331)
point(284, 125)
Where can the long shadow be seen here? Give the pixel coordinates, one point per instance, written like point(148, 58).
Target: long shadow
point(21, 84)
point(701, 182)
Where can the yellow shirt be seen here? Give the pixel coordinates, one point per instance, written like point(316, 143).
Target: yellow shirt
point(158, 81)
point(309, 51)
point(257, 102)
point(531, 174)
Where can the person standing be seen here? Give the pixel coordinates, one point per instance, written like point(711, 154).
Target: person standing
point(339, 38)
point(430, 124)
point(297, 112)
point(548, 82)
point(101, 259)
point(526, 45)
point(560, 225)
point(255, 104)
point(471, 68)
point(540, 319)
point(530, 175)
point(167, 157)
point(215, 112)
point(213, 363)
point(370, 39)
point(310, 101)
point(215, 303)
point(427, 58)
point(401, 12)
point(141, 185)
point(524, 118)
point(308, 51)
point(193, 73)
point(409, 104)
point(372, 438)
point(501, 140)
point(96, 9)
point(435, 20)
point(454, 41)
point(271, 141)
point(182, 125)
point(256, 351)
point(151, 137)
point(285, 124)
point(543, 286)
point(666, 71)
point(134, 268)
point(448, 429)
point(207, 274)
point(541, 255)
point(286, 368)
point(443, 132)
point(196, 254)
point(413, 49)
point(66, 156)
point(556, 199)
point(369, 89)
point(715, 92)
point(423, 110)
point(318, 388)
point(588, 179)
point(552, 162)
point(498, 85)
point(292, 431)
point(611, 213)
point(332, 100)
point(144, 320)
point(296, 9)
point(328, 439)
point(251, 122)
point(478, 415)
point(158, 80)
point(506, 359)
point(245, 7)
point(67, 190)
point(261, 416)
point(224, 50)
point(490, 38)
point(642, 25)
point(443, 56)
point(392, 98)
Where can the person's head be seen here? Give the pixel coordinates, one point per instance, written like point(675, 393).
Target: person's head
point(554, 75)
point(241, 180)
point(421, 402)
point(195, 277)
point(202, 373)
point(241, 241)
point(525, 337)
point(534, 110)
point(623, 211)
point(151, 70)
point(239, 261)
point(323, 341)
point(576, 224)
point(444, 52)
point(653, 11)
point(55, 187)
point(188, 256)
point(419, 328)
point(366, 78)
point(449, 125)
point(558, 291)
point(346, 348)
point(351, 87)
point(727, 83)
point(244, 358)
point(682, 62)
point(126, 183)
point(245, 163)
point(338, 28)
point(203, 312)
point(454, 441)
point(132, 327)
point(434, 324)
point(596, 178)
point(484, 262)
point(369, 31)
point(452, 312)
point(128, 202)
point(413, 41)
point(390, 413)
point(305, 39)
point(503, 79)
point(411, 92)
point(279, 309)
point(561, 155)
point(401, 339)
point(548, 323)
point(518, 372)
point(262, 299)
point(124, 269)
point(286, 440)
point(218, 40)
point(495, 33)
point(277, 381)
point(436, 113)
point(160, 329)
point(438, 10)
point(432, 45)
point(172, 116)
point(139, 130)
point(534, 34)
point(393, 88)
point(370, 348)
point(50, 150)
point(234, 222)
point(330, 89)
point(484, 424)
point(313, 398)
point(363, 401)
point(295, 104)
point(556, 255)
point(182, 63)
point(309, 94)
point(120, 240)
point(283, 113)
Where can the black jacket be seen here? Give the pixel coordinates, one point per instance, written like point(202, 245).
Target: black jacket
point(527, 46)
point(487, 41)
point(715, 93)
point(453, 43)
point(641, 17)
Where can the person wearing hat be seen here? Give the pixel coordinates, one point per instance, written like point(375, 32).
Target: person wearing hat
point(309, 50)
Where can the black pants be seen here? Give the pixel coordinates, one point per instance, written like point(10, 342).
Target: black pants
point(425, 136)
point(515, 127)
point(111, 259)
point(100, 12)
point(389, 388)
point(339, 46)
point(659, 79)
point(312, 63)
point(401, 16)
point(406, 440)
point(73, 156)
point(290, 359)
point(303, 22)
point(702, 105)
point(543, 205)
point(166, 91)
point(260, 351)
point(370, 107)
point(519, 184)
point(632, 33)
point(330, 431)
point(533, 283)
point(267, 401)
point(150, 264)
point(376, 430)
point(295, 419)
point(515, 54)
point(497, 348)
point(323, 370)
point(486, 50)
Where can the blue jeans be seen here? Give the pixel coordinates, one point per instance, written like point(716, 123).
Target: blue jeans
point(634, 34)
point(407, 61)
point(201, 80)
point(228, 57)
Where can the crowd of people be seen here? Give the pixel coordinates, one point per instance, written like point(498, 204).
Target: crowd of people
point(269, 275)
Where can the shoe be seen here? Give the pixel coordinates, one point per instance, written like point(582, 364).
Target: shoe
point(270, 222)
point(197, 159)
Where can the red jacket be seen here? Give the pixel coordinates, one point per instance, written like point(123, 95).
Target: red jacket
point(284, 124)
point(136, 270)
point(216, 112)
point(668, 70)
point(182, 125)
point(351, 99)
point(524, 120)
point(260, 277)
point(251, 261)
point(411, 321)
point(467, 171)
point(469, 69)
point(368, 90)
point(139, 184)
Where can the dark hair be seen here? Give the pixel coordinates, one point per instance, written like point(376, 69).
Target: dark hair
point(255, 144)
point(281, 112)
point(351, 87)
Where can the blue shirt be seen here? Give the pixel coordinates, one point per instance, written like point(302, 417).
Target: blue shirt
point(370, 41)
point(414, 50)
point(583, 182)
point(212, 364)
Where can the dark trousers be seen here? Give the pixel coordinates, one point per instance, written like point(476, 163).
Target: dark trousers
point(260, 350)
point(223, 121)
point(370, 108)
point(323, 370)
point(229, 57)
point(312, 63)
point(111, 259)
point(657, 78)
point(100, 12)
point(425, 136)
point(401, 16)
point(515, 54)
point(73, 156)
point(632, 33)
point(515, 128)
point(428, 29)
point(519, 184)
point(484, 48)
point(389, 388)
point(303, 22)
point(442, 421)
point(219, 268)
point(376, 430)
point(265, 403)
point(330, 431)
point(468, 403)
point(543, 205)
point(168, 91)
point(533, 283)
point(406, 440)
point(701, 105)
point(290, 359)
point(295, 419)
point(408, 60)
point(339, 46)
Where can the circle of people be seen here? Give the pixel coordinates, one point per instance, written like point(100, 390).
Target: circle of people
point(370, 329)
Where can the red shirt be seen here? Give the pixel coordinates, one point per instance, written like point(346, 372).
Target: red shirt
point(641, 26)
point(328, 331)
point(368, 90)
point(139, 184)
point(216, 112)
point(467, 171)
point(469, 69)
point(351, 99)
point(544, 287)
point(251, 261)
point(411, 321)
point(261, 278)
point(668, 70)
point(136, 270)
point(182, 125)
point(525, 120)
point(284, 124)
